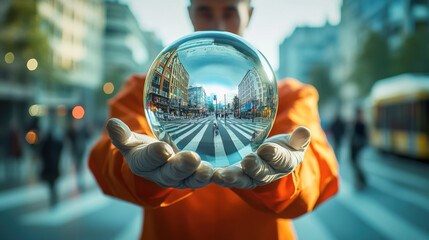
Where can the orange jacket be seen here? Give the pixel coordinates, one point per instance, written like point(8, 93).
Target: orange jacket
point(216, 212)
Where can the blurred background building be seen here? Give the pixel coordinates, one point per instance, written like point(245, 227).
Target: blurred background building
point(311, 55)
point(128, 49)
point(378, 40)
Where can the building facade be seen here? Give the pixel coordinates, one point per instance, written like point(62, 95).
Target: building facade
point(169, 85)
point(305, 47)
point(197, 99)
point(127, 48)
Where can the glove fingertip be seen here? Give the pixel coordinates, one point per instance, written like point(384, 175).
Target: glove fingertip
point(188, 160)
point(118, 131)
point(300, 138)
point(249, 162)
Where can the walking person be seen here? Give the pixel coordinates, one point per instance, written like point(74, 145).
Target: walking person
point(215, 129)
point(15, 153)
point(51, 148)
point(78, 135)
point(358, 142)
point(337, 129)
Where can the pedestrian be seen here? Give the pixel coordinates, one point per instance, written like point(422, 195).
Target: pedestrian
point(78, 135)
point(254, 199)
point(15, 152)
point(358, 142)
point(51, 148)
point(337, 129)
point(215, 128)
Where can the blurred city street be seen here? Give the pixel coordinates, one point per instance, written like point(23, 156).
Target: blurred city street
point(357, 69)
point(392, 206)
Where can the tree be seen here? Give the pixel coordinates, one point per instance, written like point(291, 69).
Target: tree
point(373, 62)
point(235, 103)
point(320, 78)
point(21, 33)
point(211, 107)
point(413, 54)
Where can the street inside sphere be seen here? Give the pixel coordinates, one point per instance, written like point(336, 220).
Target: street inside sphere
point(212, 93)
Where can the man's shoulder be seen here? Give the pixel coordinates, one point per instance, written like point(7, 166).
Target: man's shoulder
point(290, 87)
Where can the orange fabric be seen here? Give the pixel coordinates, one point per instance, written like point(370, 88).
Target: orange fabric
point(215, 212)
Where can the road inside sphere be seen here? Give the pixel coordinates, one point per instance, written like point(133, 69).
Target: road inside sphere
point(229, 146)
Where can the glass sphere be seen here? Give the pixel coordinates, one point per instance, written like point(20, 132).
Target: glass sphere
point(212, 93)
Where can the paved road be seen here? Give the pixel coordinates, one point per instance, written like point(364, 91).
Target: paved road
point(394, 205)
point(229, 146)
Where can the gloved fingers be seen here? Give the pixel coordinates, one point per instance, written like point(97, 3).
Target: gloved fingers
point(300, 138)
point(123, 138)
point(277, 156)
point(201, 177)
point(148, 157)
point(256, 168)
point(178, 167)
point(232, 176)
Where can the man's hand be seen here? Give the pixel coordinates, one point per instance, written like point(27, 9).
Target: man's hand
point(156, 161)
point(276, 158)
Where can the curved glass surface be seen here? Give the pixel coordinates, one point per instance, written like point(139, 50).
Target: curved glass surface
point(211, 93)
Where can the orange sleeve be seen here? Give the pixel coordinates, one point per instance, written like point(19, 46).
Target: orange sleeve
point(109, 166)
point(316, 178)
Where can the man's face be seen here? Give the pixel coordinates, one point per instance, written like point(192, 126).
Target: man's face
point(220, 15)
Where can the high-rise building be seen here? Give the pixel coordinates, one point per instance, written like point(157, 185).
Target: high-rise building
point(305, 47)
point(169, 84)
point(76, 35)
point(197, 98)
point(250, 91)
point(72, 31)
point(127, 48)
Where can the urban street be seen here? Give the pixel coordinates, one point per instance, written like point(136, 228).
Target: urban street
point(228, 145)
point(393, 205)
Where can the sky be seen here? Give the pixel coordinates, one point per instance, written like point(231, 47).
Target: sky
point(218, 69)
point(272, 20)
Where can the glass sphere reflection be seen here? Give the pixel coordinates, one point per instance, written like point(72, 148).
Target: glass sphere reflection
point(211, 93)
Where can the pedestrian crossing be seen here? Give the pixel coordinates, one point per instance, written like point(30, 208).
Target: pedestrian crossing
point(228, 147)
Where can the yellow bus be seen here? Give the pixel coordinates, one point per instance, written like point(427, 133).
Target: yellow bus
point(399, 115)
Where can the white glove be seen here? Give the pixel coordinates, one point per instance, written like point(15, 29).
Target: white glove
point(156, 161)
point(276, 158)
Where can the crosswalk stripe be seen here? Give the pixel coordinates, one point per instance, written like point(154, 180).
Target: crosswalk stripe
point(193, 145)
point(242, 150)
point(184, 130)
point(248, 136)
point(186, 133)
point(67, 211)
point(174, 127)
point(401, 193)
point(221, 158)
point(383, 220)
point(246, 129)
point(396, 174)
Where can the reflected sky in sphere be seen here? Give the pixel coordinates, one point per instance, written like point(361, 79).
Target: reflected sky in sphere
point(212, 93)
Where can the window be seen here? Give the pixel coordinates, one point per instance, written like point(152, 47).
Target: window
point(167, 74)
point(156, 79)
point(160, 69)
point(164, 60)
